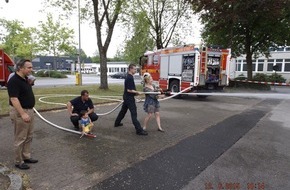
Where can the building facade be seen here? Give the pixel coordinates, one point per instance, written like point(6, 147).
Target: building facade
point(66, 63)
point(94, 68)
point(56, 63)
point(262, 64)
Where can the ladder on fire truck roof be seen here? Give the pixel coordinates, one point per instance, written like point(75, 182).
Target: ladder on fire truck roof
point(183, 48)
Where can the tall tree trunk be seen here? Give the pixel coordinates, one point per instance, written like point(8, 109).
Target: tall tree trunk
point(249, 65)
point(249, 54)
point(104, 69)
point(53, 66)
point(159, 43)
point(110, 21)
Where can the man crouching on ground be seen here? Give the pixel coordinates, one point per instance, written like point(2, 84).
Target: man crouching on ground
point(76, 105)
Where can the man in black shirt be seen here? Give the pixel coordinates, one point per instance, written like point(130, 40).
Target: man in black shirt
point(22, 101)
point(76, 105)
point(129, 102)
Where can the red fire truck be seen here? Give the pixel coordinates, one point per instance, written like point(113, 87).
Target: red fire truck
point(178, 68)
point(6, 67)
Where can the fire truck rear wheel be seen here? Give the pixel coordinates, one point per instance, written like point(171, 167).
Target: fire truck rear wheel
point(174, 87)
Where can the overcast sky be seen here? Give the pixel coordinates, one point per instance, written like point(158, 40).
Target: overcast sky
point(27, 11)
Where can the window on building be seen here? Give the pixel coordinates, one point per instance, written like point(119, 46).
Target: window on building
point(271, 49)
point(270, 64)
point(280, 49)
point(260, 64)
point(279, 63)
point(238, 65)
point(245, 67)
point(287, 65)
point(254, 65)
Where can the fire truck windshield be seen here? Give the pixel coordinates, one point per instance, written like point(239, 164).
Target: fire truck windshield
point(143, 60)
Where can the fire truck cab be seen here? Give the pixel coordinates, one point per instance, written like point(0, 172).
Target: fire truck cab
point(6, 67)
point(178, 68)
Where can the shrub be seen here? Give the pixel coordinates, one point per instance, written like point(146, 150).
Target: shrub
point(245, 85)
point(41, 73)
point(276, 78)
point(241, 77)
point(269, 78)
point(56, 74)
point(261, 77)
point(52, 74)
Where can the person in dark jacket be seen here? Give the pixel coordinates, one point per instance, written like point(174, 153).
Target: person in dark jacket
point(76, 105)
point(129, 102)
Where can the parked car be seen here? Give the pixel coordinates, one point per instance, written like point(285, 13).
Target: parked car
point(120, 75)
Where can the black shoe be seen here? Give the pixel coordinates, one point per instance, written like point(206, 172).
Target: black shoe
point(22, 166)
point(142, 133)
point(30, 161)
point(119, 125)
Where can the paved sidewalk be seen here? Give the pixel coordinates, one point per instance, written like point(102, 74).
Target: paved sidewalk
point(68, 162)
point(260, 160)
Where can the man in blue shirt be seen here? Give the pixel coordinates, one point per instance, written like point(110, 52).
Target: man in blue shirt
point(129, 102)
point(76, 105)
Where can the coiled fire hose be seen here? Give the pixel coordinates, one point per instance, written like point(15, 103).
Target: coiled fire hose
point(99, 114)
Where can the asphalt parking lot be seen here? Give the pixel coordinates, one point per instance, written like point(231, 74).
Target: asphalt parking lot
point(208, 144)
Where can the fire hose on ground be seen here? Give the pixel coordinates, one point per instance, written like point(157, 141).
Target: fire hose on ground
point(99, 114)
point(247, 95)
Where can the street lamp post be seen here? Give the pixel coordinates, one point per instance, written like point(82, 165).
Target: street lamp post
point(79, 51)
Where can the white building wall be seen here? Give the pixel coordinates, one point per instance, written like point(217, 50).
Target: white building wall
point(94, 68)
point(263, 64)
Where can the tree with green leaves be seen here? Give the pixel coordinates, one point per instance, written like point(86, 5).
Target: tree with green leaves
point(140, 40)
point(104, 14)
point(157, 24)
point(55, 39)
point(248, 27)
point(18, 41)
point(166, 19)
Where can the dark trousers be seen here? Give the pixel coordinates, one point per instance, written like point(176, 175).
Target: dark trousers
point(75, 119)
point(129, 103)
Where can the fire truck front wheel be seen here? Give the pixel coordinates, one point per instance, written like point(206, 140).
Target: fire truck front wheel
point(174, 87)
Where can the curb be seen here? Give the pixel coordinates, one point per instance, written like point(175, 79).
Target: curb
point(270, 83)
point(15, 180)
